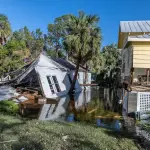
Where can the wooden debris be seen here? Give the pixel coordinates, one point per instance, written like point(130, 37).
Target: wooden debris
point(92, 111)
point(34, 100)
point(108, 117)
point(8, 141)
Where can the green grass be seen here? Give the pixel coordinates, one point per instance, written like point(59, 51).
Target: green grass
point(47, 135)
point(8, 107)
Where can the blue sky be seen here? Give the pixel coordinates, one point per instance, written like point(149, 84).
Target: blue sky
point(38, 13)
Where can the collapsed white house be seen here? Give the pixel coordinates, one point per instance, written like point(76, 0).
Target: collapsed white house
point(84, 76)
point(53, 79)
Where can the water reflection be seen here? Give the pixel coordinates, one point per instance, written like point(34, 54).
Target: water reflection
point(6, 92)
point(111, 124)
point(99, 106)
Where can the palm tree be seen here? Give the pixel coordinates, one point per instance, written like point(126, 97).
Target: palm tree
point(5, 29)
point(82, 40)
point(112, 64)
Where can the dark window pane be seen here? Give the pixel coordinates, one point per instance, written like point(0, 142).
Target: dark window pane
point(55, 79)
point(56, 83)
point(50, 85)
point(57, 87)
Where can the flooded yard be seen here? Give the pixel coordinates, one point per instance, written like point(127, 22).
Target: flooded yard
point(6, 92)
point(96, 106)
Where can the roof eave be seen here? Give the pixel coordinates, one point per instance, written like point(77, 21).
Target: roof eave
point(129, 40)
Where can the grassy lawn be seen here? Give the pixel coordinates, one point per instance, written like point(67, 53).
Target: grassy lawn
point(16, 134)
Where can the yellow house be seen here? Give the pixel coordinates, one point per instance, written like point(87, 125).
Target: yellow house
point(134, 41)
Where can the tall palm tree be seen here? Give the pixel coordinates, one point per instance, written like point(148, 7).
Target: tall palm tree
point(82, 40)
point(5, 29)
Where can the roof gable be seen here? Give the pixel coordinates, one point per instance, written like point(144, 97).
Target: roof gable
point(68, 64)
point(46, 61)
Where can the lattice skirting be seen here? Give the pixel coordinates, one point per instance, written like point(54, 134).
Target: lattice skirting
point(143, 101)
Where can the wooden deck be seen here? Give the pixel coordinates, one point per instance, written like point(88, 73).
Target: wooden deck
point(140, 88)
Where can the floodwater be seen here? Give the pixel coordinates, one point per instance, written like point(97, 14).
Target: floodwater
point(96, 106)
point(6, 92)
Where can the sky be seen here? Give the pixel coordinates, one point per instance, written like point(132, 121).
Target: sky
point(38, 13)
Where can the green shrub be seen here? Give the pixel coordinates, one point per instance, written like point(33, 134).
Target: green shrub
point(8, 107)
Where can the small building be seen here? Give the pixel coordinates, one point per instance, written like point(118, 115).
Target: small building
point(82, 79)
point(134, 42)
point(45, 74)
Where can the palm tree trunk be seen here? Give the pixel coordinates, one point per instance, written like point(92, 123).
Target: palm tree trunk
point(86, 74)
point(1, 41)
point(75, 77)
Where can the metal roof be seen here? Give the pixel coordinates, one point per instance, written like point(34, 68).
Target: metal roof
point(135, 26)
point(68, 64)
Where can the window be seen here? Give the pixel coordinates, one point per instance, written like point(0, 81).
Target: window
point(53, 83)
point(56, 84)
point(50, 84)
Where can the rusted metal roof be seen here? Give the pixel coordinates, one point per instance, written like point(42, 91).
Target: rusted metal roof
point(135, 26)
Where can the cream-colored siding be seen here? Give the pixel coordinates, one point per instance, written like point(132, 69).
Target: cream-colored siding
point(141, 55)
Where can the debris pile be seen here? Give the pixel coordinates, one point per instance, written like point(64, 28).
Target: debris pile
point(28, 100)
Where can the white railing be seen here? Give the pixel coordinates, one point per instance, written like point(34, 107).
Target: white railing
point(143, 101)
point(7, 78)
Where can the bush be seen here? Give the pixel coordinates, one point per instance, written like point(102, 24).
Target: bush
point(8, 107)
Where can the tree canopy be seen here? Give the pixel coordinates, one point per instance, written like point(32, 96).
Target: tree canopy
point(110, 74)
point(77, 38)
point(22, 47)
point(81, 39)
point(5, 29)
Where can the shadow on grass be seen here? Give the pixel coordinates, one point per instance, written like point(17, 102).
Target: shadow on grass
point(4, 126)
point(119, 135)
point(73, 141)
point(128, 135)
point(27, 145)
point(82, 142)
